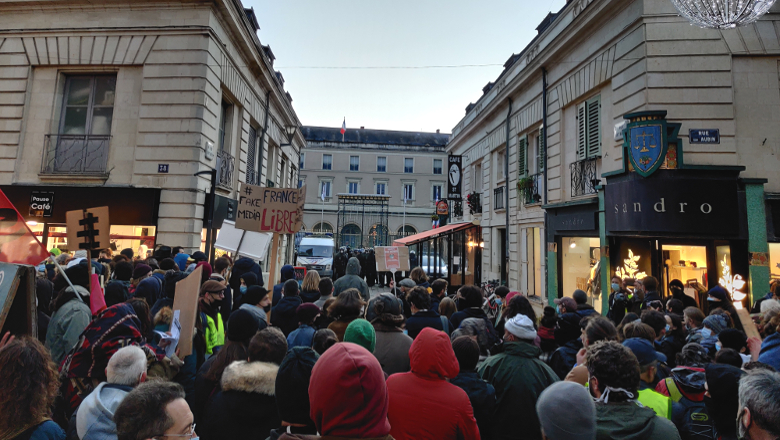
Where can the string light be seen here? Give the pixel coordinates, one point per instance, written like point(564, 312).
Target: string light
point(722, 14)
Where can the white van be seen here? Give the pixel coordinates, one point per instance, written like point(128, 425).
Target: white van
point(316, 253)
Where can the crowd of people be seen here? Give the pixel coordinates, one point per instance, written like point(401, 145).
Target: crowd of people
point(323, 359)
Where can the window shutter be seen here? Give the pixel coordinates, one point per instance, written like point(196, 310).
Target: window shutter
point(581, 131)
point(522, 156)
point(251, 154)
point(542, 153)
point(594, 127)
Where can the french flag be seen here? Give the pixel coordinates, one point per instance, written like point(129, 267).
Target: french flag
point(343, 129)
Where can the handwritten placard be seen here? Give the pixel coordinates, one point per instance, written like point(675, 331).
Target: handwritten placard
point(277, 210)
point(392, 258)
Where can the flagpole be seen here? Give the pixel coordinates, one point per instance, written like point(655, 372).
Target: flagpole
point(403, 231)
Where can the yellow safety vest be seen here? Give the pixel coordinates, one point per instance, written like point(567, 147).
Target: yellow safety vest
point(659, 403)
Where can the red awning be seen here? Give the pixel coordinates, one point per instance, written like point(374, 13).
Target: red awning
point(433, 233)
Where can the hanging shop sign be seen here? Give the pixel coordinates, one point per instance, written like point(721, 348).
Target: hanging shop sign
point(673, 205)
point(704, 136)
point(646, 141)
point(455, 177)
point(277, 210)
point(41, 204)
point(442, 208)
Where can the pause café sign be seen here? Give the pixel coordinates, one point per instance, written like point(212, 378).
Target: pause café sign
point(277, 210)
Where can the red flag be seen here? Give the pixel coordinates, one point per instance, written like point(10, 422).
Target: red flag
point(97, 302)
point(18, 245)
point(344, 126)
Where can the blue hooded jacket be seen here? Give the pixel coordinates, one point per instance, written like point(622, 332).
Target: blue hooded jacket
point(770, 351)
point(288, 273)
point(181, 261)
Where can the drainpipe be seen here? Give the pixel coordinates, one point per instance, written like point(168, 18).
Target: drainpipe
point(505, 269)
point(546, 166)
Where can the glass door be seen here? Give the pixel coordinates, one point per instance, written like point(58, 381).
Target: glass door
point(688, 264)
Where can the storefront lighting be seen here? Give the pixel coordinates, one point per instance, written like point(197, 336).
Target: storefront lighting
point(732, 284)
point(482, 244)
point(631, 268)
point(722, 14)
point(32, 223)
point(471, 244)
point(572, 243)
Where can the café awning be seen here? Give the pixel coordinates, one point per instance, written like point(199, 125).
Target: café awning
point(433, 233)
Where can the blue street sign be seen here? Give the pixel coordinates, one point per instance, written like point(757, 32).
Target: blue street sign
point(162, 168)
point(704, 136)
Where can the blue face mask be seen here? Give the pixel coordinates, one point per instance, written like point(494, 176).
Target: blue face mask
point(243, 289)
point(718, 346)
point(498, 301)
point(558, 309)
point(668, 328)
point(706, 333)
point(615, 287)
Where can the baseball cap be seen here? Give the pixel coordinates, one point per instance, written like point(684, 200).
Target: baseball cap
point(643, 350)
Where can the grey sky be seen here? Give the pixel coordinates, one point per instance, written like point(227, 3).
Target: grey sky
point(350, 33)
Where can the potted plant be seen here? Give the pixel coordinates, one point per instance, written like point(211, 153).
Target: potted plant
point(434, 217)
point(525, 183)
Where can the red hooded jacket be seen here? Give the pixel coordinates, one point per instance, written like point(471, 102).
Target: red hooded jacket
point(348, 394)
point(423, 405)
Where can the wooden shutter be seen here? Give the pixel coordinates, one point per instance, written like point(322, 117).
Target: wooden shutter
point(581, 128)
point(522, 156)
point(594, 127)
point(251, 154)
point(542, 153)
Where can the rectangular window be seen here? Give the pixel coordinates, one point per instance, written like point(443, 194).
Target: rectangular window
point(436, 166)
point(501, 172)
point(436, 193)
point(352, 187)
point(300, 183)
point(408, 165)
point(522, 156)
point(88, 107)
point(300, 163)
point(381, 189)
point(327, 161)
point(589, 129)
point(325, 188)
point(224, 127)
point(354, 163)
point(408, 192)
point(251, 157)
point(381, 164)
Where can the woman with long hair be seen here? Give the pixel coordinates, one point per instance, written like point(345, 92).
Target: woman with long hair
point(310, 289)
point(347, 307)
point(28, 386)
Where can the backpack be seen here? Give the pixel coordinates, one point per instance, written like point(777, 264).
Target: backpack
point(691, 418)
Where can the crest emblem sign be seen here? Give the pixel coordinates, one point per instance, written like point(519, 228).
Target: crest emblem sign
point(646, 144)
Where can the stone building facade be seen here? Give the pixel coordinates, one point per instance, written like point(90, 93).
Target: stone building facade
point(367, 162)
point(121, 103)
point(558, 114)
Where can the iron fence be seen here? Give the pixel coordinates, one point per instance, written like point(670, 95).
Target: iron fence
point(531, 189)
point(75, 154)
point(583, 177)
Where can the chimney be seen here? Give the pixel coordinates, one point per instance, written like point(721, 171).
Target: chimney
point(437, 131)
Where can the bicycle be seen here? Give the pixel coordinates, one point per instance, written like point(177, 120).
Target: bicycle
point(489, 303)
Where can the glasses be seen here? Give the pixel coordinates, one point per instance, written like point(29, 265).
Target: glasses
point(191, 434)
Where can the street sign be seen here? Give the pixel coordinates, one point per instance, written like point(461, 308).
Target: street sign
point(454, 177)
point(704, 136)
point(41, 204)
point(162, 168)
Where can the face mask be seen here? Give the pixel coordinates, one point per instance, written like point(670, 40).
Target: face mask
point(498, 301)
point(668, 328)
point(615, 287)
point(718, 346)
point(706, 333)
point(558, 309)
point(243, 289)
point(711, 299)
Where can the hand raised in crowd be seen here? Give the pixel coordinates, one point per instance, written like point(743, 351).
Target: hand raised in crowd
point(7, 339)
point(754, 346)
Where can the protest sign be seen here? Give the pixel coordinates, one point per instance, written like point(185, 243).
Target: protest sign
point(392, 258)
point(277, 210)
point(88, 228)
point(186, 302)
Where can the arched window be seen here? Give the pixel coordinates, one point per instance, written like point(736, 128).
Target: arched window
point(351, 236)
point(406, 231)
point(322, 228)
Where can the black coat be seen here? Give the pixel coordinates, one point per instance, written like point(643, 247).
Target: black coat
point(568, 328)
point(564, 358)
point(283, 314)
point(422, 319)
point(483, 400)
point(245, 408)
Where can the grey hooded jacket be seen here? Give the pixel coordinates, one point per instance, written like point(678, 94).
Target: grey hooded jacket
point(95, 417)
point(67, 324)
point(352, 280)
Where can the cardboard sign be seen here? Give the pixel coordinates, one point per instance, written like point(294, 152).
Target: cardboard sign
point(186, 301)
point(81, 226)
point(277, 210)
point(245, 243)
point(747, 324)
point(392, 258)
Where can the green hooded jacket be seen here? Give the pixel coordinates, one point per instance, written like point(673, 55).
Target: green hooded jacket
point(352, 280)
point(629, 421)
point(519, 377)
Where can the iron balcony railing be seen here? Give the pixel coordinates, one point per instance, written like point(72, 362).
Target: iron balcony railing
point(530, 188)
point(583, 177)
point(225, 167)
point(498, 198)
point(474, 202)
point(75, 154)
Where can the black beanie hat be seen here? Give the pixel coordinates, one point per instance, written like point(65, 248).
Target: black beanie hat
point(242, 325)
point(78, 275)
point(292, 385)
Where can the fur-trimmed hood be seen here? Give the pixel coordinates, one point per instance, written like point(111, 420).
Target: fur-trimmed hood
point(250, 377)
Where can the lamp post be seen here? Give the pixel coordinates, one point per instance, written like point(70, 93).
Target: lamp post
point(210, 220)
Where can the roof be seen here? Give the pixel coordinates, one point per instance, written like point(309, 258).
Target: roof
point(369, 136)
point(433, 233)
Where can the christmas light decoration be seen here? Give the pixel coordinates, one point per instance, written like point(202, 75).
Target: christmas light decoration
point(722, 14)
point(631, 268)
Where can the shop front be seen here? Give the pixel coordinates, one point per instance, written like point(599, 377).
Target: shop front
point(132, 212)
point(451, 252)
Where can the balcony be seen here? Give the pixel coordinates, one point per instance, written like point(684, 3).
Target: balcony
point(530, 189)
point(67, 154)
point(225, 167)
point(583, 177)
point(498, 199)
point(475, 203)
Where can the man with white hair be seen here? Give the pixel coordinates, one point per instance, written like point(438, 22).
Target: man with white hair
point(519, 377)
point(94, 419)
point(759, 406)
